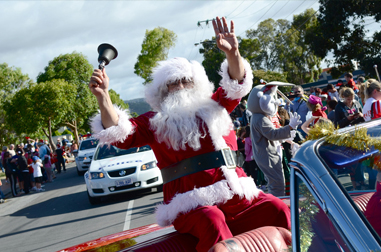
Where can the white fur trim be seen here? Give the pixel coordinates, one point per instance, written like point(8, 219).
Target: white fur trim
point(247, 189)
point(217, 193)
point(171, 70)
point(233, 89)
point(219, 123)
point(260, 94)
point(112, 134)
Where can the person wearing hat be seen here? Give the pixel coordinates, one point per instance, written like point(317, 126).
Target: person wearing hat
point(37, 173)
point(315, 105)
point(213, 202)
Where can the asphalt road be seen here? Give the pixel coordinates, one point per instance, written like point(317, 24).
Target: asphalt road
point(62, 216)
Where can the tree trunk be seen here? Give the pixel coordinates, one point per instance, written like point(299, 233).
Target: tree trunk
point(49, 135)
point(76, 133)
point(74, 128)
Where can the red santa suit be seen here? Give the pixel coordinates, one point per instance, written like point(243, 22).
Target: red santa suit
point(212, 204)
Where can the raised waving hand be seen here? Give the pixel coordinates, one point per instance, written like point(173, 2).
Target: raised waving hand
point(226, 40)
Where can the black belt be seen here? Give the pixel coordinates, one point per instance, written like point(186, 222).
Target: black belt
point(198, 163)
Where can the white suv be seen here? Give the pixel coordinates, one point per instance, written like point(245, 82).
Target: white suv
point(85, 154)
point(115, 170)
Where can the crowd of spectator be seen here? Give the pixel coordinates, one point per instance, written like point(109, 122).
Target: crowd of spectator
point(29, 166)
point(341, 104)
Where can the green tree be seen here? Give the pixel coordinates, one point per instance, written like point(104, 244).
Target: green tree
point(67, 132)
point(269, 76)
point(75, 69)
point(283, 48)
point(213, 57)
point(268, 33)
point(342, 31)
point(299, 61)
point(155, 47)
point(11, 80)
point(43, 108)
point(115, 99)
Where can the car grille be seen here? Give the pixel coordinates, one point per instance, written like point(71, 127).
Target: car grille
point(125, 187)
point(91, 157)
point(116, 173)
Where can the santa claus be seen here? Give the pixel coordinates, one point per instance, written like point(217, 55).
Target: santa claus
point(191, 134)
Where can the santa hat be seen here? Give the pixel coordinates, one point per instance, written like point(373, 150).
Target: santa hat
point(172, 70)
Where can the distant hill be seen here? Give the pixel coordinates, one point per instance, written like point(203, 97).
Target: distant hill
point(140, 106)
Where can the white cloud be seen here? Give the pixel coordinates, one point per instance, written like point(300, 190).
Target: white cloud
point(34, 32)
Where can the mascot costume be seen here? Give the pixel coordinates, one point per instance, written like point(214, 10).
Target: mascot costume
point(267, 149)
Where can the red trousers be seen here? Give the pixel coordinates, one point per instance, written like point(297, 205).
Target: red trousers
point(211, 224)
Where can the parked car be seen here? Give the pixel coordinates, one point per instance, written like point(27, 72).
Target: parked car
point(85, 154)
point(331, 185)
point(115, 170)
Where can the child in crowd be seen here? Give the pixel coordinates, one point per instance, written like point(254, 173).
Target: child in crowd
point(315, 105)
point(37, 173)
point(306, 125)
point(331, 110)
point(251, 166)
point(48, 168)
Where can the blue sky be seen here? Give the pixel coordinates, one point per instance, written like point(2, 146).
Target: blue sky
point(34, 32)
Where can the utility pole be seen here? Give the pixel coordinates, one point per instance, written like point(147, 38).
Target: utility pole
point(204, 21)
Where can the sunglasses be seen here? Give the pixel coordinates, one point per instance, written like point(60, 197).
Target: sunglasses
point(183, 81)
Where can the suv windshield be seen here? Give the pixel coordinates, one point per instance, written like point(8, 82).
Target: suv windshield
point(88, 144)
point(112, 151)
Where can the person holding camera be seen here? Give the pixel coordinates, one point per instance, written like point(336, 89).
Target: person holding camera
point(349, 111)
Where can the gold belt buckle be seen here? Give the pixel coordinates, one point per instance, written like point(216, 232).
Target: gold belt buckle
point(228, 157)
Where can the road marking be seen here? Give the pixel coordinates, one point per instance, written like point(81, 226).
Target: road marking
point(127, 221)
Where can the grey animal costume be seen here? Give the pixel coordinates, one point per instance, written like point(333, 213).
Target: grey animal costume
point(265, 136)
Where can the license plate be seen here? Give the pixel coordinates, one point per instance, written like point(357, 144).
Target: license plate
point(123, 182)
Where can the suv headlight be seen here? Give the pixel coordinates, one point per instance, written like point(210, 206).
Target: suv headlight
point(81, 158)
point(149, 165)
point(96, 175)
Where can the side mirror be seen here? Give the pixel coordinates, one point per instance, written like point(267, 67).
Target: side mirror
point(106, 53)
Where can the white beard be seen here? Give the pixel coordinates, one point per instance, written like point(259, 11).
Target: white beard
point(178, 121)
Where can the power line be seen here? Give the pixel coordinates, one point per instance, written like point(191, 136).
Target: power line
point(244, 9)
point(253, 12)
point(280, 9)
point(261, 16)
point(235, 9)
point(296, 9)
point(194, 41)
point(370, 23)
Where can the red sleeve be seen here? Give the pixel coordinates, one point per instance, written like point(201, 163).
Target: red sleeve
point(220, 97)
point(142, 135)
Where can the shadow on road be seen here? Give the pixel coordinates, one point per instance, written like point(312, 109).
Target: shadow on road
point(78, 202)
